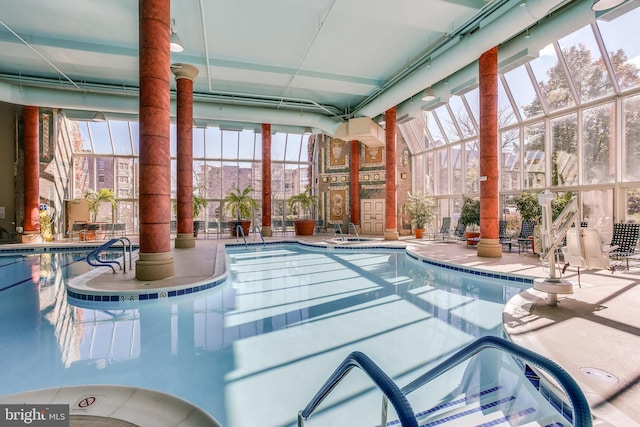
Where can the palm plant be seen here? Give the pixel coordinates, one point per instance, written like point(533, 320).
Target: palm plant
point(305, 201)
point(96, 198)
point(420, 208)
point(239, 202)
point(470, 213)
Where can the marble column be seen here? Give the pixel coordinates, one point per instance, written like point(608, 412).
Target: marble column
point(266, 180)
point(354, 184)
point(391, 196)
point(185, 74)
point(489, 245)
point(155, 261)
point(31, 141)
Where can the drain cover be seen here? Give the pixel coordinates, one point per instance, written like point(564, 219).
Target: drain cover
point(601, 375)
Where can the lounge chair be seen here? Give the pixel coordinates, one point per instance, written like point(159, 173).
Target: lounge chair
point(503, 237)
point(624, 241)
point(526, 235)
point(458, 233)
point(445, 228)
point(77, 229)
point(584, 250)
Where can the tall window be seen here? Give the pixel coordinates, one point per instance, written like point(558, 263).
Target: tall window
point(534, 156)
point(105, 156)
point(564, 159)
point(599, 144)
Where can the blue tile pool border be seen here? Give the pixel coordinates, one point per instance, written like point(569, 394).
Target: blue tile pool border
point(75, 295)
point(133, 296)
point(441, 264)
point(475, 271)
point(22, 250)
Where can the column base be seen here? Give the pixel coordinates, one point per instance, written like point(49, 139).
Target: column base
point(185, 241)
point(391, 235)
point(155, 266)
point(266, 231)
point(31, 237)
point(489, 248)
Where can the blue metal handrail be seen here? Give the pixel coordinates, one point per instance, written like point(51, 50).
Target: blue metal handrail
point(579, 405)
point(258, 229)
point(126, 243)
point(391, 391)
point(338, 228)
point(355, 230)
point(94, 261)
point(240, 232)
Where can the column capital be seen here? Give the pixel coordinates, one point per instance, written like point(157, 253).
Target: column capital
point(184, 71)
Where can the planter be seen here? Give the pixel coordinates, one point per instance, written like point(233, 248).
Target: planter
point(304, 227)
point(245, 223)
point(94, 231)
point(418, 232)
point(197, 226)
point(472, 238)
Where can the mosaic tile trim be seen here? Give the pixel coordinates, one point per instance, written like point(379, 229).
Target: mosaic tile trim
point(147, 296)
point(49, 249)
point(476, 272)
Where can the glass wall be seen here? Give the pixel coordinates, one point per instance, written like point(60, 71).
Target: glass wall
point(569, 121)
point(106, 156)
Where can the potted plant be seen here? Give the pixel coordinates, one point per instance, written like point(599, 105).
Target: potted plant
point(420, 208)
point(528, 207)
point(94, 200)
point(304, 225)
point(198, 204)
point(530, 211)
point(470, 217)
point(240, 204)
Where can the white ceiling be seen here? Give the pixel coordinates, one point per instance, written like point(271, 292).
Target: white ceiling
point(259, 61)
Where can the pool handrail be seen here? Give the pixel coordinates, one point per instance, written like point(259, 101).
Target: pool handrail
point(338, 228)
point(355, 230)
point(126, 242)
point(390, 389)
point(580, 410)
point(240, 232)
point(93, 255)
point(258, 229)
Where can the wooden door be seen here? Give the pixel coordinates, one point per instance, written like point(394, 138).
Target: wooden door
point(372, 216)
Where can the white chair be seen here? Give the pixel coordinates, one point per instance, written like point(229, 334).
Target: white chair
point(595, 256)
point(584, 250)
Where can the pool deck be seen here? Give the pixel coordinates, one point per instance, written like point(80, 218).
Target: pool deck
point(593, 333)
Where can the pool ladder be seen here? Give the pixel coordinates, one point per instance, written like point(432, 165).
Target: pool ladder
point(337, 228)
point(94, 260)
point(398, 396)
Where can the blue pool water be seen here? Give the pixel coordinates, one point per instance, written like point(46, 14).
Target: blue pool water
point(253, 351)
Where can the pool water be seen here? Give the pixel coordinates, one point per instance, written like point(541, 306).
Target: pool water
point(253, 351)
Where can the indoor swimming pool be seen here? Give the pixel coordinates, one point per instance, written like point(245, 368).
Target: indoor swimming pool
point(254, 350)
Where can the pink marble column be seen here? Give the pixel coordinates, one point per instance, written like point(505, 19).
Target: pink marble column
point(354, 183)
point(31, 140)
point(155, 261)
point(489, 245)
point(185, 74)
point(391, 197)
point(266, 180)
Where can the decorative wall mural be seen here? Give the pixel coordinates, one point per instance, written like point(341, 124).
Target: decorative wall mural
point(336, 156)
point(337, 204)
point(372, 156)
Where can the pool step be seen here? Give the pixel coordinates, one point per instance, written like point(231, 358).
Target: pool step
point(487, 408)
